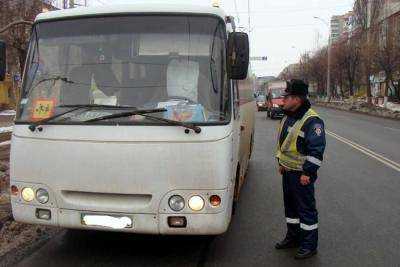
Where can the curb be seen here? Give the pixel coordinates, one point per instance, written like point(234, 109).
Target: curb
point(357, 112)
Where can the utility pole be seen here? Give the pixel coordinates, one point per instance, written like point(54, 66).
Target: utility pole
point(249, 15)
point(328, 75)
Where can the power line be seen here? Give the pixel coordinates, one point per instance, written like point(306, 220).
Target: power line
point(249, 14)
point(276, 10)
point(284, 26)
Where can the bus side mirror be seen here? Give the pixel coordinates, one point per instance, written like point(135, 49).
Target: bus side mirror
point(2, 60)
point(238, 55)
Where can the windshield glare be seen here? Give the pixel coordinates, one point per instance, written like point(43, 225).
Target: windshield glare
point(261, 98)
point(171, 62)
point(277, 93)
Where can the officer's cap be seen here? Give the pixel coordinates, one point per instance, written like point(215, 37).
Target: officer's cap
point(296, 88)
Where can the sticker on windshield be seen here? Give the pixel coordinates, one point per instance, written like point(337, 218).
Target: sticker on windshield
point(43, 108)
point(185, 113)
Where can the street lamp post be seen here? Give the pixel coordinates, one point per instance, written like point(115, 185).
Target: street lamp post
point(328, 75)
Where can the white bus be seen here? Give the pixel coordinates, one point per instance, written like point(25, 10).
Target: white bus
point(132, 118)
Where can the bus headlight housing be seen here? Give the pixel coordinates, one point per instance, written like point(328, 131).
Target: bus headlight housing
point(176, 203)
point(27, 194)
point(196, 203)
point(42, 196)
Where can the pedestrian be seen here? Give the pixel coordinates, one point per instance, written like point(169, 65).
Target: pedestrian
point(301, 145)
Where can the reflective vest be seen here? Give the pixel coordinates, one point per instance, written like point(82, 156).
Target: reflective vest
point(287, 153)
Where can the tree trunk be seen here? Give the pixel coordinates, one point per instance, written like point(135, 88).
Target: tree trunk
point(368, 83)
point(386, 92)
point(341, 87)
point(398, 90)
point(21, 58)
point(351, 88)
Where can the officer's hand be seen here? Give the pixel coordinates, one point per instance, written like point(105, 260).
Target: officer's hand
point(281, 170)
point(305, 180)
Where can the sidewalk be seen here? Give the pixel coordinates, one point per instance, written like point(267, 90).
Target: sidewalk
point(392, 111)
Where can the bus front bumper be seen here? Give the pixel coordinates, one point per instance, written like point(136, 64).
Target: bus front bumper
point(196, 224)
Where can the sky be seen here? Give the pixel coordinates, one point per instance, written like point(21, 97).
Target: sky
point(280, 29)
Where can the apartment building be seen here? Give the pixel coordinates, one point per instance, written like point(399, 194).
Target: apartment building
point(341, 26)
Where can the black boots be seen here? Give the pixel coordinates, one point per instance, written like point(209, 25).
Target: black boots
point(303, 253)
point(287, 243)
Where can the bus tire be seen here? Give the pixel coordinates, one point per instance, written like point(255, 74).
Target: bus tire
point(236, 191)
point(251, 145)
point(234, 207)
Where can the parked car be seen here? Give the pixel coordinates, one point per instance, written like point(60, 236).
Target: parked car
point(261, 103)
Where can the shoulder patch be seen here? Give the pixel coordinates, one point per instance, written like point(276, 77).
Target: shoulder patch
point(318, 129)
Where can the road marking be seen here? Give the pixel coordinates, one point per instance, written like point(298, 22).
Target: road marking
point(366, 151)
point(393, 129)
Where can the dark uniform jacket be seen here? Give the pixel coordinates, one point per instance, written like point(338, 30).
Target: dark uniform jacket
point(312, 144)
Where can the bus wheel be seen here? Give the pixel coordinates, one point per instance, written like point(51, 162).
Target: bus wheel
point(234, 207)
point(251, 145)
point(236, 191)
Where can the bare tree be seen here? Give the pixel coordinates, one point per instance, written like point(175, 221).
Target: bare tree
point(318, 69)
point(366, 15)
point(352, 64)
point(387, 55)
point(337, 69)
point(304, 67)
point(17, 37)
point(346, 65)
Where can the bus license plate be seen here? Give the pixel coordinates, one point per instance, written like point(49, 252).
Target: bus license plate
point(114, 222)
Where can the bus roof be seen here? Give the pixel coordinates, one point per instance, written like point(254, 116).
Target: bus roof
point(129, 9)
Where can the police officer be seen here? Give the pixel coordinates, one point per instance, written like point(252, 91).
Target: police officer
point(300, 152)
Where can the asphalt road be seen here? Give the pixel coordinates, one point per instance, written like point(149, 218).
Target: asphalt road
point(358, 200)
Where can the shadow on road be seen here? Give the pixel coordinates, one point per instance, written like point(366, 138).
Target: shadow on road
point(87, 248)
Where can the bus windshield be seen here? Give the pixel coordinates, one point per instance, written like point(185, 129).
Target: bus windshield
point(176, 63)
point(277, 93)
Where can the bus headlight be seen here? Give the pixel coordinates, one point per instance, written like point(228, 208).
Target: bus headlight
point(27, 194)
point(196, 203)
point(176, 203)
point(42, 196)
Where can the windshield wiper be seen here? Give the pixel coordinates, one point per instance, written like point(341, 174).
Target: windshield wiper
point(34, 125)
point(96, 106)
point(145, 113)
point(56, 78)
